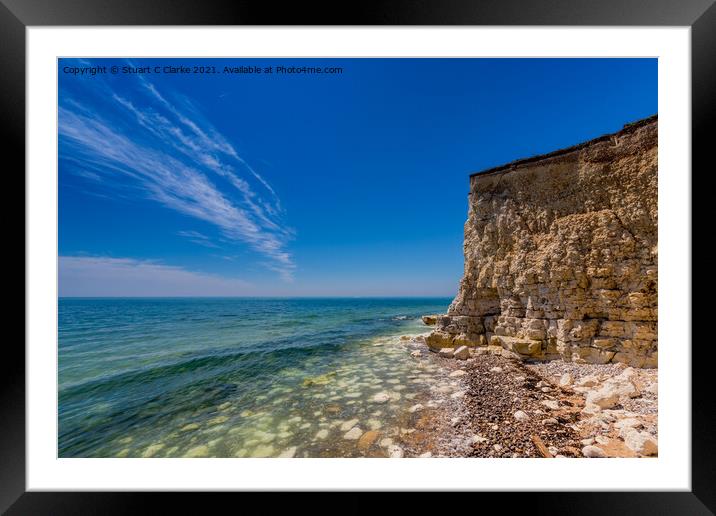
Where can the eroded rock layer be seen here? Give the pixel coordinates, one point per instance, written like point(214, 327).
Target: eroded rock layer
point(561, 255)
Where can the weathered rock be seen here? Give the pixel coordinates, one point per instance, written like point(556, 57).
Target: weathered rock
point(603, 398)
point(446, 352)
point(588, 381)
point(457, 372)
point(642, 443)
point(561, 255)
point(430, 320)
point(521, 416)
point(593, 452)
point(550, 404)
point(566, 380)
point(628, 423)
point(461, 353)
point(622, 387)
point(438, 340)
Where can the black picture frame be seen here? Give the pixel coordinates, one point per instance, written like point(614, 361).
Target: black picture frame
point(17, 15)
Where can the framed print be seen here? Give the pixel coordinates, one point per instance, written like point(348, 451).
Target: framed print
point(419, 249)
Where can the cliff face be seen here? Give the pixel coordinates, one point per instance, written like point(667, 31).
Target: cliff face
point(561, 255)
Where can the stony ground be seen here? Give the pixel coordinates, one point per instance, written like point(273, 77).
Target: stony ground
point(504, 413)
point(501, 407)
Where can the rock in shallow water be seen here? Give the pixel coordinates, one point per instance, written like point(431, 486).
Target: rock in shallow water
point(367, 439)
point(395, 451)
point(263, 451)
point(198, 451)
point(353, 434)
point(152, 450)
point(381, 397)
point(288, 453)
point(348, 425)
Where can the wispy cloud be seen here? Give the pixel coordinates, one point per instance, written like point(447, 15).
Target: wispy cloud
point(174, 156)
point(93, 276)
point(198, 238)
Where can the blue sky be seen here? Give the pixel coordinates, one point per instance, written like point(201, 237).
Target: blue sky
point(351, 184)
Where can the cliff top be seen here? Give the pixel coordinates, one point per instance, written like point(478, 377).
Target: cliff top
point(628, 128)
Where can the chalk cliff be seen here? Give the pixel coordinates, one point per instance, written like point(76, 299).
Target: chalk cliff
point(561, 255)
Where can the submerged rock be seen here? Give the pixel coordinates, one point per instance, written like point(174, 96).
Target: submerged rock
point(263, 451)
point(198, 451)
point(395, 451)
point(367, 439)
point(348, 425)
point(385, 442)
point(381, 397)
point(152, 450)
point(323, 379)
point(288, 453)
point(353, 434)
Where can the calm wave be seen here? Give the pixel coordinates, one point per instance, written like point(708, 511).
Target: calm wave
point(232, 377)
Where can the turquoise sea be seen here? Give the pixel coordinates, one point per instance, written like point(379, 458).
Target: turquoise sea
point(236, 377)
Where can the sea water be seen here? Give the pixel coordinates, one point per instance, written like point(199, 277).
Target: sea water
point(236, 377)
